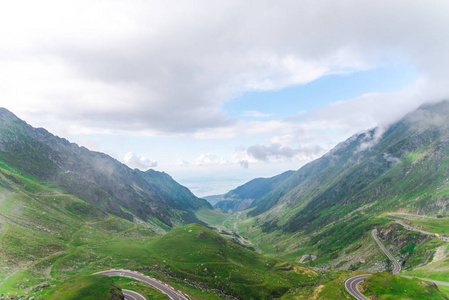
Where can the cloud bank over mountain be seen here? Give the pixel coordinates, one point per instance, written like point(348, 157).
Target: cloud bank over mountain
point(147, 67)
point(168, 69)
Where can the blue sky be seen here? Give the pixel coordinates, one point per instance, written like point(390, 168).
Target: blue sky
point(319, 93)
point(176, 155)
point(216, 93)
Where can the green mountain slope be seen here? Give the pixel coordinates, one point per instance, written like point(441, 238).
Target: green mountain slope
point(400, 288)
point(47, 236)
point(200, 255)
point(334, 202)
point(94, 287)
point(94, 177)
point(49, 241)
point(252, 194)
point(405, 168)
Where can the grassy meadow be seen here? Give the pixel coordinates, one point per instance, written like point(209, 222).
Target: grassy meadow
point(49, 238)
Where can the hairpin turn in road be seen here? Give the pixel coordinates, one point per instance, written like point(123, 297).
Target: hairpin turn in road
point(161, 286)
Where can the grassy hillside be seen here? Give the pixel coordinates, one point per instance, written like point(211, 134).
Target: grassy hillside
point(436, 224)
point(94, 177)
point(198, 254)
point(330, 205)
point(47, 236)
point(390, 287)
point(97, 287)
point(327, 209)
point(331, 288)
point(378, 286)
point(49, 240)
point(93, 287)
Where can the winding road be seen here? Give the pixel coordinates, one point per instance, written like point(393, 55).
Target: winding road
point(408, 227)
point(352, 283)
point(131, 295)
point(396, 265)
point(170, 291)
point(304, 257)
point(352, 286)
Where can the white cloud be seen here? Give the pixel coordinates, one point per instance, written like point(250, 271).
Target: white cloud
point(279, 152)
point(372, 138)
point(167, 68)
point(392, 159)
point(239, 158)
point(149, 67)
point(139, 162)
point(255, 114)
point(209, 159)
point(242, 158)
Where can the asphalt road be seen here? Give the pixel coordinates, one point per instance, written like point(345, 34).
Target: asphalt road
point(411, 215)
point(396, 265)
point(171, 292)
point(352, 284)
point(131, 295)
point(427, 279)
point(408, 227)
point(303, 258)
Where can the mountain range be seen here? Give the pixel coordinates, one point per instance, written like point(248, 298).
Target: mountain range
point(67, 212)
point(97, 178)
point(400, 167)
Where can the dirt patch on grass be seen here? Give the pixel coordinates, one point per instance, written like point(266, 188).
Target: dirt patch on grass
point(302, 270)
point(202, 235)
point(47, 272)
point(440, 254)
point(317, 291)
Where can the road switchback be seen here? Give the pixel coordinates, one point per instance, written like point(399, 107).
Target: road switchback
point(170, 291)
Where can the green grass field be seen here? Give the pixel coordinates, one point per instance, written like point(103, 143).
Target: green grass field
point(199, 254)
point(94, 287)
point(56, 239)
point(439, 225)
point(331, 287)
point(48, 237)
point(390, 287)
point(444, 290)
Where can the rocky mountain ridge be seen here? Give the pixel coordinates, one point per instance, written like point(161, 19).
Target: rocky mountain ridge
point(93, 176)
point(402, 167)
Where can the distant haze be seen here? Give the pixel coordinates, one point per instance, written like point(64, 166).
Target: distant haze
point(212, 199)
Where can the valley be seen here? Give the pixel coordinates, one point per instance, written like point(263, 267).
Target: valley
point(351, 283)
point(234, 150)
point(78, 240)
point(314, 233)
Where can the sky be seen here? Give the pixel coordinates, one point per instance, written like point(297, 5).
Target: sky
point(216, 93)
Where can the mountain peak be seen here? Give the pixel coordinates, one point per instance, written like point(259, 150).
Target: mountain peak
point(94, 177)
point(6, 114)
point(384, 168)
